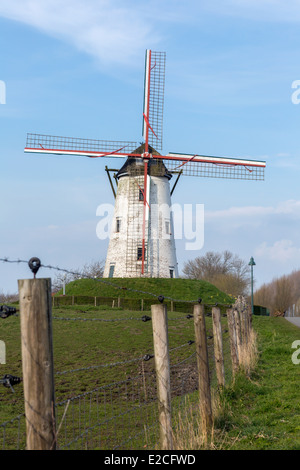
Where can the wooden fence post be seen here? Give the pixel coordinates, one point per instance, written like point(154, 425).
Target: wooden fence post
point(203, 370)
point(162, 366)
point(245, 328)
point(218, 346)
point(237, 322)
point(37, 363)
point(233, 341)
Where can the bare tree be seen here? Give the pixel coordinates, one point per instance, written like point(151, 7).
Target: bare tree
point(283, 290)
point(94, 270)
point(225, 270)
point(263, 296)
point(7, 298)
point(279, 294)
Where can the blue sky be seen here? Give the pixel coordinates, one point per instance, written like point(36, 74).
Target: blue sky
point(76, 68)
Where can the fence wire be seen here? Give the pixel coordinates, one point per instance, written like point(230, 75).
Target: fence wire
point(118, 415)
point(158, 296)
point(122, 413)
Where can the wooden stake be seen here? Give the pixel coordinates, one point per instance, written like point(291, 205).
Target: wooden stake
point(237, 322)
point(203, 370)
point(218, 346)
point(37, 363)
point(162, 365)
point(245, 327)
point(233, 341)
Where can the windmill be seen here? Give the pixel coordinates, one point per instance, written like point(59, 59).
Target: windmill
point(142, 235)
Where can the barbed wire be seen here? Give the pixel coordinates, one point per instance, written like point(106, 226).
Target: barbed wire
point(9, 380)
point(144, 318)
point(101, 280)
point(99, 366)
point(145, 357)
point(110, 398)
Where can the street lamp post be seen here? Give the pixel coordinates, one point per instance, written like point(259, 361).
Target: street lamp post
point(252, 263)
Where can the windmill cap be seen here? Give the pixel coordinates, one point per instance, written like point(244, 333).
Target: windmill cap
point(134, 166)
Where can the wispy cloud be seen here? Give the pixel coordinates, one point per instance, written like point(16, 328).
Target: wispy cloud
point(105, 29)
point(258, 10)
point(281, 251)
point(290, 207)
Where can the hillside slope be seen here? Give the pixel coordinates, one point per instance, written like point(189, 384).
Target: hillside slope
point(138, 288)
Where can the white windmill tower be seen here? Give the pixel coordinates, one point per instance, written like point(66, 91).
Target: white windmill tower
point(142, 234)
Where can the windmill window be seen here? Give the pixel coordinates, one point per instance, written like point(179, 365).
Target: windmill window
point(140, 253)
point(111, 270)
point(141, 195)
point(118, 224)
point(168, 227)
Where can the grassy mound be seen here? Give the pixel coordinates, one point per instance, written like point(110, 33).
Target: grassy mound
point(141, 288)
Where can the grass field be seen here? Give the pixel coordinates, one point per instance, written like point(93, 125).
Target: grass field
point(263, 412)
point(101, 377)
point(139, 288)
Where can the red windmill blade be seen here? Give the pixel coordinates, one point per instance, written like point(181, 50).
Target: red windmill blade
point(92, 148)
point(190, 165)
point(154, 99)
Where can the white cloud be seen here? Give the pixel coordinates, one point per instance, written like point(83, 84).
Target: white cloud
point(281, 251)
point(289, 207)
point(104, 29)
point(258, 10)
point(115, 31)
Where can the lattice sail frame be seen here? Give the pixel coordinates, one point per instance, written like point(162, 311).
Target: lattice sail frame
point(154, 89)
point(216, 167)
point(40, 143)
point(189, 165)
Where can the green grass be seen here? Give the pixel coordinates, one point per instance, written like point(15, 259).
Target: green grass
point(181, 289)
point(260, 412)
point(263, 411)
point(81, 344)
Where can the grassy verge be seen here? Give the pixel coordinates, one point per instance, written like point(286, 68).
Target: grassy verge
point(263, 411)
point(110, 406)
point(182, 289)
point(260, 411)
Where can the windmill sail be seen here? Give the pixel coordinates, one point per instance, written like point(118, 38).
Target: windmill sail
point(215, 167)
point(51, 144)
point(154, 98)
point(142, 239)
